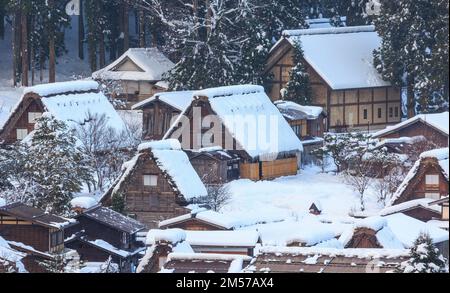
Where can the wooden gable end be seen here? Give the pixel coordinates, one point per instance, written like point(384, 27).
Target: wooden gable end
point(419, 128)
point(417, 187)
point(149, 204)
point(364, 238)
point(127, 65)
point(157, 117)
point(19, 119)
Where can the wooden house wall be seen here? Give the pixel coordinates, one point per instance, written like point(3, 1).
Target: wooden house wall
point(150, 205)
point(157, 118)
point(364, 238)
point(98, 230)
point(35, 236)
point(420, 129)
point(422, 214)
point(34, 264)
point(345, 108)
point(19, 120)
point(210, 171)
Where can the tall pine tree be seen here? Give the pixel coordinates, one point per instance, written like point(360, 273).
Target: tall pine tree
point(298, 89)
point(414, 51)
point(56, 165)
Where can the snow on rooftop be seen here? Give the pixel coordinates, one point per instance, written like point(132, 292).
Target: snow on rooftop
point(439, 121)
point(2, 202)
point(385, 236)
point(310, 112)
point(62, 87)
point(212, 217)
point(76, 108)
point(172, 236)
point(206, 257)
point(361, 253)
point(179, 100)
point(408, 229)
point(171, 159)
point(152, 64)
point(223, 238)
point(83, 202)
point(440, 154)
point(236, 105)
point(11, 255)
point(342, 56)
point(422, 202)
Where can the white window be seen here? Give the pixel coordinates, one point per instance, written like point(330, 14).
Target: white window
point(151, 180)
point(21, 133)
point(33, 116)
point(433, 196)
point(432, 180)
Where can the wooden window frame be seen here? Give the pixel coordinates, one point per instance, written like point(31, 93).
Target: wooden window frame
point(150, 177)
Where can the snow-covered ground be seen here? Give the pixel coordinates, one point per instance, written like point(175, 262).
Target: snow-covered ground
point(291, 197)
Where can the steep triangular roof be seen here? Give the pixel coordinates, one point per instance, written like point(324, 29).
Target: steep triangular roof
point(151, 63)
point(342, 56)
point(173, 163)
point(438, 121)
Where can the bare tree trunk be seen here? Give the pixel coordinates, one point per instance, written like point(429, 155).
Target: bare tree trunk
point(141, 28)
point(81, 32)
point(411, 104)
point(126, 27)
point(52, 61)
point(14, 50)
point(101, 47)
point(24, 47)
point(41, 65)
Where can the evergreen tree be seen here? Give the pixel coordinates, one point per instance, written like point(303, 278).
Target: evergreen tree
point(414, 51)
point(298, 89)
point(424, 258)
point(56, 165)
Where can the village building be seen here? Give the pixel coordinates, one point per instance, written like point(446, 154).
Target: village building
point(102, 233)
point(309, 124)
point(389, 232)
point(241, 120)
point(344, 81)
point(428, 179)
point(200, 220)
point(200, 263)
point(215, 166)
point(433, 127)
point(420, 209)
point(273, 259)
point(443, 221)
point(160, 110)
point(157, 184)
point(37, 234)
point(136, 75)
point(161, 243)
point(74, 102)
point(242, 242)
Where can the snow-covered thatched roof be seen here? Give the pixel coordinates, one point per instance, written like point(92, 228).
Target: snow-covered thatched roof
point(210, 217)
point(74, 101)
point(178, 100)
point(294, 111)
point(236, 105)
point(151, 64)
point(173, 162)
point(342, 56)
point(438, 121)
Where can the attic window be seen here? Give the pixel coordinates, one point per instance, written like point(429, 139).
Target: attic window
point(432, 180)
point(21, 134)
point(151, 180)
point(33, 116)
